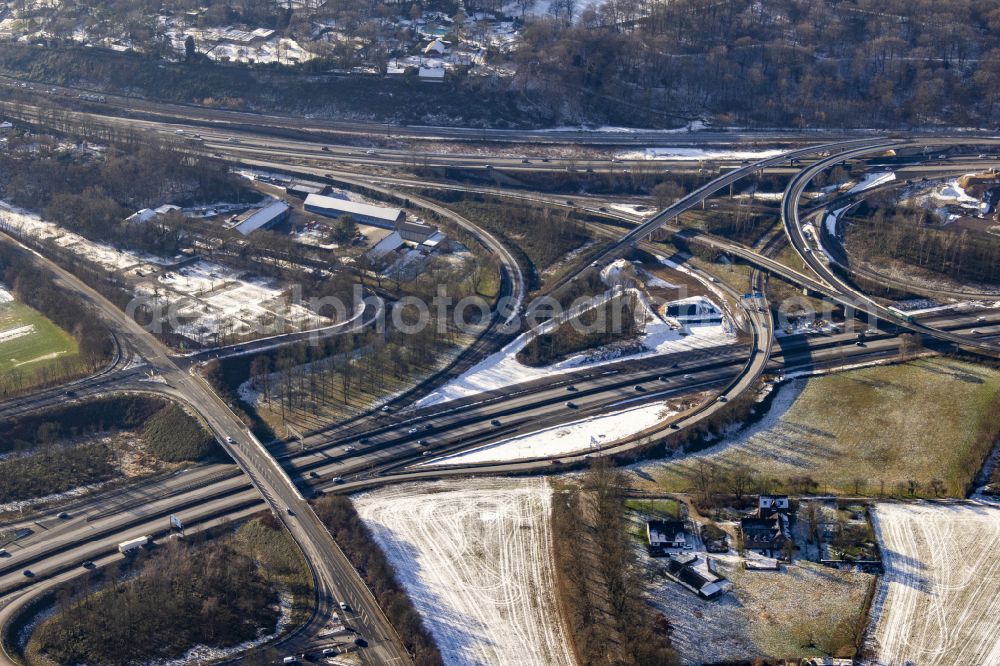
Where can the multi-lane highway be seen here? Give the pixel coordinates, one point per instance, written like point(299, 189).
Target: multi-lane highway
point(314, 129)
point(335, 578)
point(816, 261)
point(204, 493)
point(380, 449)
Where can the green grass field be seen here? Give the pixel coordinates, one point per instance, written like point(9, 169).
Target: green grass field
point(45, 350)
point(868, 431)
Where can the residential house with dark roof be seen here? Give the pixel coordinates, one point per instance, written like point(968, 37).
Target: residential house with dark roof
point(763, 533)
point(662, 534)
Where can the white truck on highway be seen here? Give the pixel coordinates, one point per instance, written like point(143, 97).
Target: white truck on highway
point(132, 545)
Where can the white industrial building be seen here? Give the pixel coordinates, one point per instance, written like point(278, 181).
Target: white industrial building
point(376, 216)
point(264, 218)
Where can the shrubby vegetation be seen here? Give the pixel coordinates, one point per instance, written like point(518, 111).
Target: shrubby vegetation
point(173, 435)
point(55, 469)
point(78, 419)
point(55, 451)
point(350, 533)
point(222, 593)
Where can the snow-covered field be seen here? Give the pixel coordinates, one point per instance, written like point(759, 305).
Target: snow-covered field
point(213, 297)
point(695, 154)
point(594, 432)
point(938, 601)
point(474, 557)
point(502, 368)
point(209, 298)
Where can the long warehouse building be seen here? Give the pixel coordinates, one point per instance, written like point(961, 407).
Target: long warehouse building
point(376, 216)
point(273, 214)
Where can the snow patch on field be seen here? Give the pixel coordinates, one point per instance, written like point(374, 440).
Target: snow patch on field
point(831, 220)
point(15, 333)
point(474, 557)
point(576, 437)
point(695, 154)
point(693, 126)
point(955, 193)
point(502, 369)
point(937, 603)
point(761, 196)
point(213, 297)
point(654, 282)
point(872, 180)
point(757, 438)
point(633, 209)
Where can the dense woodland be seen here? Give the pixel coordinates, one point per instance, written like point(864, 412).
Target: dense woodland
point(855, 63)
point(912, 236)
point(92, 191)
point(539, 236)
point(776, 62)
point(222, 593)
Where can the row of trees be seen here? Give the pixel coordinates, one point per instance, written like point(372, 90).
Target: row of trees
point(598, 579)
point(350, 533)
point(37, 288)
